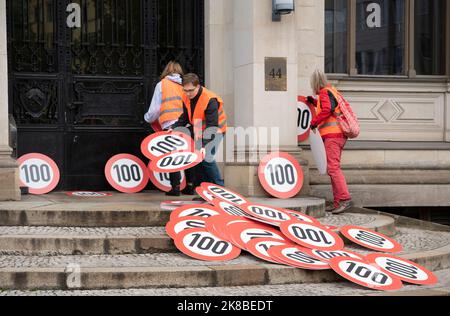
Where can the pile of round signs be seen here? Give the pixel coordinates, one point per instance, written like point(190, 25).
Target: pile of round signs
point(231, 224)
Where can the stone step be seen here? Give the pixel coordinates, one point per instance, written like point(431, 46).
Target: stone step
point(118, 211)
point(175, 270)
point(342, 288)
point(47, 241)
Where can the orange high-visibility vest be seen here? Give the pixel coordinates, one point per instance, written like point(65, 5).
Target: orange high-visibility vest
point(198, 120)
point(172, 101)
point(331, 125)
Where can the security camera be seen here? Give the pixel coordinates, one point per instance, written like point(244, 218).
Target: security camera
point(281, 7)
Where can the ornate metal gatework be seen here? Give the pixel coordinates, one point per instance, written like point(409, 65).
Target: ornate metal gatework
point(79, 94)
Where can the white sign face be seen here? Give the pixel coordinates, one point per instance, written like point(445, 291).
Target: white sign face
point(268, 214)
point(328, 255)
point(231, 209)
point(312, 236)
point(297, 257)
point(405, 270)
point(163, 143)
point(205, 211)
point(174, 228)
point(364, 274)
point(304, 121)
point(162, 181)
point(175, 162)
point(202, 245)
point(370, 239)
point(126, 173)
point(280, 175)
point(39, 173)
point(224, 194)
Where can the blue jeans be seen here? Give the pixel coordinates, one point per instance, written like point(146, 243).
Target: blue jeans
point(208, 171)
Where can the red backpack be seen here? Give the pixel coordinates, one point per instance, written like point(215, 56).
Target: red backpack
point(347, 118)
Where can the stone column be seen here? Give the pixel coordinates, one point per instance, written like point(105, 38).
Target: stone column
point(242, 35)
point(9, 175)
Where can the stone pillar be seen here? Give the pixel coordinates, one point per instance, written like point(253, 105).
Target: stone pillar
point(240, 34)
point(9, 174)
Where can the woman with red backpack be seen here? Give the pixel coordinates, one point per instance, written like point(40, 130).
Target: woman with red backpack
point(329, 104)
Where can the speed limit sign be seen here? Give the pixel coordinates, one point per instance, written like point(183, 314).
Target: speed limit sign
point(266, 213)
point(201, 244)
point(163, 143)
point(224, 194)
point(328, 255)
point(204, 194)
point(370, 239)
point(403, 269)
point(280, 175)
point(162, 181)
point(176, 161)
point(260, 248)
point(312, 235)
point(198, 210)
point(39, 173)
point(126, 173)
point(306, 112)
point(184, 223)
point(297, 257)
point(365, 274)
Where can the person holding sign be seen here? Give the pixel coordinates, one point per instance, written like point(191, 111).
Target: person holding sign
point(166, 108)
point(327, 109)
point(204, 110)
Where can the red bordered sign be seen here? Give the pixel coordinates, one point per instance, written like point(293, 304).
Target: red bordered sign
point(89, 194)
point(224, 194)
point(326, 256)
point(39, 173)
point(176, 161)
point(268, 214)
point(280, 175)
point(312, 236)
point(306, 113)
point(163, 143)
point(365, 274)
point(403, 269)
point(260, 248)
point(229, 208)
point(198, 210)
point(184, 223)
point(204, 194)
point(126, 173)
point(201, 244)
point(297, 257)
point(370, 239)
point(241, 233)
point(162, 181)
point(218, 225)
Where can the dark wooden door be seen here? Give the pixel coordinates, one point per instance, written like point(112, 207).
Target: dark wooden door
point(79, 94)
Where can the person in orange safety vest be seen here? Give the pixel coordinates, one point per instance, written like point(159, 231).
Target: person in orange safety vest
point(327, 109)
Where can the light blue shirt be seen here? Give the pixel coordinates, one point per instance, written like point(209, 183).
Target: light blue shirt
point(155, 107)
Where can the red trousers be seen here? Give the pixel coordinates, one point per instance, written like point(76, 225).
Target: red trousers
point(334, 148)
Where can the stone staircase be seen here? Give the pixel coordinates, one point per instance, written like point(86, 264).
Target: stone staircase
point(60, 245)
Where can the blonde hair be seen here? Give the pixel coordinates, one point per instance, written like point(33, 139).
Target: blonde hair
point(318, 81)
point(172, 68)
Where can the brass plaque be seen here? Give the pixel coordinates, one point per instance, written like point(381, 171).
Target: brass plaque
point(276, 74)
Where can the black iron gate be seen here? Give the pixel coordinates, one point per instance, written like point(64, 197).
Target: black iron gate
point(79, 94)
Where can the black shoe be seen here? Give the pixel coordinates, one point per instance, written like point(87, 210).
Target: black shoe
point(189, 190)
point(343, 206)
point(174, 192)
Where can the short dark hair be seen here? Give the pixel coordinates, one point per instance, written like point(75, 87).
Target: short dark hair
point(191, 78)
